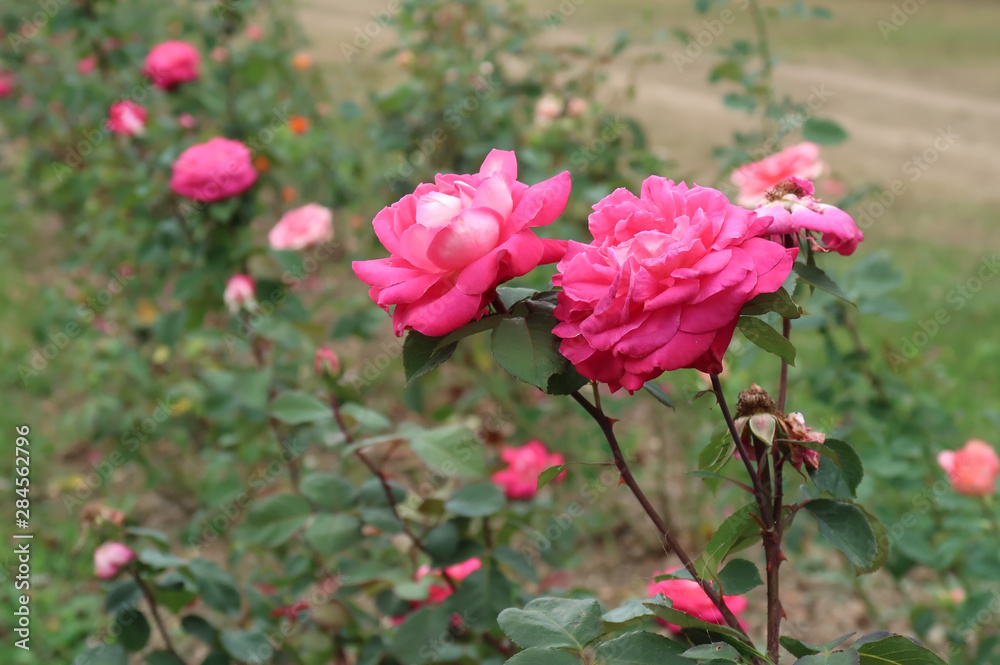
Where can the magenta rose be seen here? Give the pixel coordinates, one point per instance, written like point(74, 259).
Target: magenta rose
point(127, 117)
point(688, 597)
point(662, 284)
point(213, 171)
point(312, 224)
point(793, 210)
point(451, 243)
point(519, 479)
point(110, 558)
point(171, 63)
point(755, 180)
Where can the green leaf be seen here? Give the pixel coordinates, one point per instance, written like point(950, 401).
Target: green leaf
point(896, 650)
point(295, 407)
point(813, 276)
point(565, 382)
point(718, 451)
point(422, 634)
point(331, 533)
point(328, 491)
point(368, 420)
point(198, 627)
point(103, 654)
point(453, 451)
point(657, 392)
point(135, 629)
point(511, 294)
point(842, 476)
point(736, 527)
point(248, 646)
point(273, 520)
point(478, 500)
point(481, 597)
point(767, 338)
point(822, 131)
point(738, 577)
point(630, 612)
point(536, 656)
point(290, 261)
point(217, 658)
point(547, 476)
point(726, 70)
point(849, 657)
point(152, 534)
point(779, 301)
point(554, 623)
point(421, 355)
point(847, 528)
point(739, 102)
point(161, 560)
point(800, 649)
point(470, 329)
point(527, 349)
point(163, 658)
point(215, 586)
point(122, 595)
point(713, 651)
point(640, 648)
point(882, 542)
point(684, 620)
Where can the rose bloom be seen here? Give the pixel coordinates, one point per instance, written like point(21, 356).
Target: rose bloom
point(754, 180)
point(171, 63)
point(6, 83)
point(86, 65)
point(547, 109)
point(254, 32)
point(186, 120)
point(312, 224)
point(110, 558)
point(688, 597)
point(127, 117)
point(327, 362)
point(438, 593)
point(213, 171)
point(972, 469)
point(799, 431)
point(520, 479)
point(451, 243)
point(794, 210)
point(662, 284)
point(240, 292)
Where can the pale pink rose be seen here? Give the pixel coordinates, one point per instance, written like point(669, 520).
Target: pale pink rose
point(834, 187)
point(799, 431)
point(86, 65)
point(688, 597)
point(127, 117)
point(213, 171)
point(453, 242)
point(327, 362)
point(662, 284)
point(547, 108)
point(254, 32)
point(219, 54)
point(171, 63)
point(110, 558)
point(312, 224)
point(754, 180)
point(240, 293)
point(576, 106)
point(6, 83)
point(972, 469)
point(793, 210)
point(186, 120)
point(524, 464)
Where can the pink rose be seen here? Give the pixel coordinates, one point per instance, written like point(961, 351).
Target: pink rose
point(793, 210)
point(756, 179)
point(438, 593)
point(973, 469)
point(254, 32)
point(312, 224)
point(171, 63)
point(327, 362)
point(799, 431)
point(520, 479)
point(110, 558)
point(86, 65)
point(186, 120)
point(6, 83)
point(240, 293)
point(453, 242)
point(213, 171)
point(547, 109)
point(688, 597)
point(662, 284)
point(127, 117)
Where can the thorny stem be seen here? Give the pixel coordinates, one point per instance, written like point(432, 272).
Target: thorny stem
point(774, 557)
point(661, 526)
point(155, 611)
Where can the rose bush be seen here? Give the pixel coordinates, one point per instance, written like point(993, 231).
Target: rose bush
point(171, 63)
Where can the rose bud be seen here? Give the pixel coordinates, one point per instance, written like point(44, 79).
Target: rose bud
point(240, 293)
point(110, 558)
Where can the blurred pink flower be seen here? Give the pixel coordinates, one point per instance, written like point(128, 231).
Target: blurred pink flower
point(688, 597)
point(219, 54)
point(86, 65)
point(171, 63)
point(972, 469)
point(799, 431)
point(6, 83)
point(213, 171)
point(576, 106)
point(312, 224)
point(519, 479)
point(127, 117)
point(453, 242)
point(254, 32)
point(186, 120)
point(110, 558)
point(240, 293)
point(547, 108)
point(438, 593)
point(793, 210)
point(327, 363)
point(663, 282)
point(754, 180)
